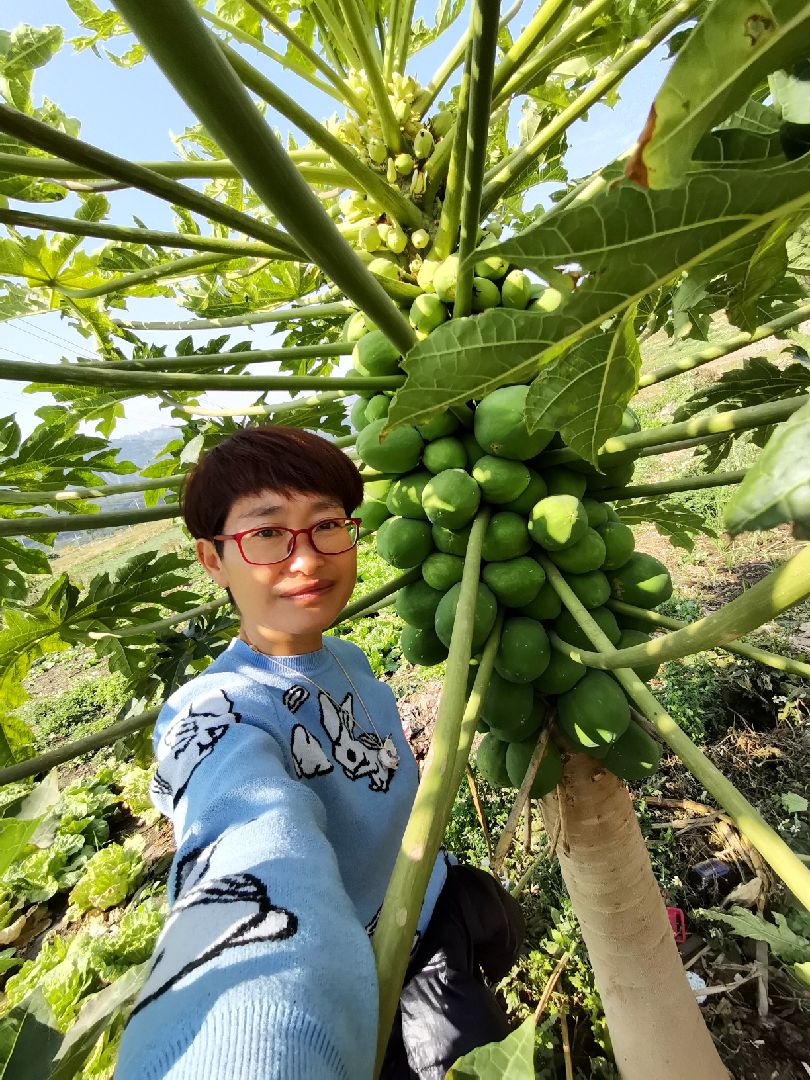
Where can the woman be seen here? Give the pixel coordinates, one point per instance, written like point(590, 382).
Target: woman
point(288, 780)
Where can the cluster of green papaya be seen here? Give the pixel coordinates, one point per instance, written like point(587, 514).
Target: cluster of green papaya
point(444, 472)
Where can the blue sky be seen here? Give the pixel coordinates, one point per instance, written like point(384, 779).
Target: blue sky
point(133, 112)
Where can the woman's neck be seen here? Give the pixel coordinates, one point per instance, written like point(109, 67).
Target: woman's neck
point(272, 643)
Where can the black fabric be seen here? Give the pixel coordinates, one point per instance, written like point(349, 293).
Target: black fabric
point(446, 1009)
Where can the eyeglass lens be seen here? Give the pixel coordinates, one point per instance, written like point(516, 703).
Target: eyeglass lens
point(274, 545)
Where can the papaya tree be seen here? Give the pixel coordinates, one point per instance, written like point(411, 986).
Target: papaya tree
point(495, 352)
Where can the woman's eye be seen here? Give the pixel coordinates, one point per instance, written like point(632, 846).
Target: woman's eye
point(328, 526)
point(267, 534)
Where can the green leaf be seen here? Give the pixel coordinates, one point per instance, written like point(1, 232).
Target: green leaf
point(793, 803)
point(14, 837)
point(97, 1013)
point(28, 1040)
point(802, 972)
point(465, 359)
point(584, 393)
point(670, 517)
point(16, 561)
point(761, 272)
point(776, 488)
point(730, 52)
point(510, 1059)
point(627, 241)
point(755, 383)
point(30, 48)
point(782, 941)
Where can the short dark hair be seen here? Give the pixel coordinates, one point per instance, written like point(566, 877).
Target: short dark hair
point(268, 458)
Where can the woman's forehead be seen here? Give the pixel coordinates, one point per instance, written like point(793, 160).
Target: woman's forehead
point(269, 503)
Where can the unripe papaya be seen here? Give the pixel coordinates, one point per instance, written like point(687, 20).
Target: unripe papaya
point(486, 608)
point(557, 522)
point(592, 589)
point(451, 498)
point(516, 581)
point(634, 755)
point(357, 325)
point(416, 604)
point(485, 294)
point(534, 491)
point(500, 479)
point(500, 427)
point(377, 151)
point(597, 513)
point(567, 628)
point(420, 239)
point(474, 451)
point(515, 290)
point(628, 640)
point(396, 240)
point(446, 453)
point(438, 426)
point(427, 312)
point(445, 278)
point(421, 646)
point(357, 417)
point(547, 300)
point(490, 760)
point(442, 122)
point(423, 143)
point(491, 266)
point(594, 714)
point(375, 355)
point(442, 571)
point(400, 453)
point(453, 541)
point(545, 607)
point(404, 542)
point(619, 544)
point(506, 537)
point(426, 273)
point(588, 553)
point(404, 164)
point(560, 675)
point(549, 771)
point(372, 513)
point(560, 481)
point(524, 651)
point(405, 495)
point(642, 581)
point(377, 408)
point(509, 709)
point(369, 238)
point(384, 268)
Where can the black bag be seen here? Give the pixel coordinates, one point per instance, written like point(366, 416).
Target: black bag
point(446, 1009)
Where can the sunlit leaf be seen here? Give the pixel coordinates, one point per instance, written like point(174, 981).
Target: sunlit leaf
point(510, 1059)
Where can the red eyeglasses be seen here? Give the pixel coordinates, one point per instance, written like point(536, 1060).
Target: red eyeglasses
point(270, 544)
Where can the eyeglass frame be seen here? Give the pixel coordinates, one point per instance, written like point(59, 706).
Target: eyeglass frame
point(294, 534)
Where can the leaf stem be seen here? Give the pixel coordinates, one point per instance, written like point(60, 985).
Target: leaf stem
point(249, 318)
point(125, 234)
point(229, 359)
point(484, 41)
point(455, 152)
point(736, 420)
point(403, 35)
point(789, 584)
point(110, 519)
point(712, 351)
point(389, 198)
point(544, 19)
point(53, 496)
point(332, 22)
point(102, 375)
point(521, 80)
point(193, 62)
point(46, 138)
point(357, 19)
point(285, 61)
point(281, 27)
point(746, 817)
point(509, 171)
point(173, 268)
point(431, 809)
point(677, 483)
point(741, 648)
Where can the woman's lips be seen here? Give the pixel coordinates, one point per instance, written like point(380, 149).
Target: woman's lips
point(308, 591)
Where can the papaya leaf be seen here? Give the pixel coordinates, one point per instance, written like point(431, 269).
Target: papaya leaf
point(671, 518)
point(733, 48)
point(29, 1040)
point(465, 359)
point(30, 47)
point(755, 383)
point(762, 272)
point(628, 242)
point(776, 488)
point(510, 1059)
point(16, 561)
point(96, 1015)
point(584, 393)
point(782, 941)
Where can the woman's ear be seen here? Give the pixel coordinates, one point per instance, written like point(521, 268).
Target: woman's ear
point(211, 562)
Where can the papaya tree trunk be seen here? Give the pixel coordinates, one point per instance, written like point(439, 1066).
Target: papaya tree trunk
point(655, 1023)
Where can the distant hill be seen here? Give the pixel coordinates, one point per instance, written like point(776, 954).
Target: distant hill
point(141, 447)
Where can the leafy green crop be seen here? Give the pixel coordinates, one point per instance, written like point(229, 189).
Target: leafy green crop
point(109, 876)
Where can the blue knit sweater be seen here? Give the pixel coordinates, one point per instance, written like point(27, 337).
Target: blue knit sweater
point(287, 818)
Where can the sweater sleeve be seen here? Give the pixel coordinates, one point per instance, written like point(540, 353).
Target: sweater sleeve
point(263, 968)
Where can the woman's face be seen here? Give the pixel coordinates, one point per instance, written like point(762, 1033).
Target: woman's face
point(285, 606)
